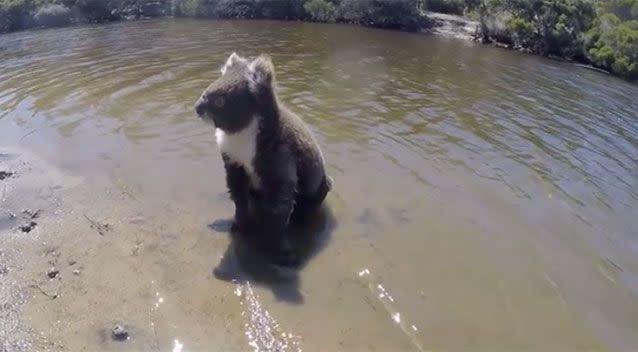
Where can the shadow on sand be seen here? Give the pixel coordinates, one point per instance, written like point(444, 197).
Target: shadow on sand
point(243, 261)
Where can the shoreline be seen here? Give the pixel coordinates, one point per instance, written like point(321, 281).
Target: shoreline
point(459, 27)
point(440, 24)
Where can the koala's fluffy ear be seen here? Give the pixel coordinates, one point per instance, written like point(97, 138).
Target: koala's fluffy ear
point(232, 60)
point(261, 73)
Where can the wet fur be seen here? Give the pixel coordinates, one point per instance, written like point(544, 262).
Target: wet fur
point(276, 177)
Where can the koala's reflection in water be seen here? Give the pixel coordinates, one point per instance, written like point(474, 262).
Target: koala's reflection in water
point(246, 259)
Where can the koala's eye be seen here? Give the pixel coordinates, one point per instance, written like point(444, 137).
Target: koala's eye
point(219, 102)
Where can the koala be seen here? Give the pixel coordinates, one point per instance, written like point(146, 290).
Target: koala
point(274, 166)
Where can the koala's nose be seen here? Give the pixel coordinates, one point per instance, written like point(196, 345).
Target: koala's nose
point(200, 106)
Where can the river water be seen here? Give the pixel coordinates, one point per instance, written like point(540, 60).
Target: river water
point(485, 200)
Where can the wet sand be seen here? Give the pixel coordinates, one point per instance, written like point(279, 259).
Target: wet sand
point(170, 276)
point(98, 257)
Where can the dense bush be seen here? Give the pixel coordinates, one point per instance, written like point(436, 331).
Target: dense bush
point(273, 9)
point(400, 14)
point(53, 15)
point(395, 14)
point(278, 9)
point(321, 10)
point(625, 10)
point(95, 10)
point(455, 7)
point(14, 15)
point(549, 27)
point(192, 8)
point(600, 32)
point(613, 45)
point(236, 9)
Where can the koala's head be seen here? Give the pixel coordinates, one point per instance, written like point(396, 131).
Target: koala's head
point(242, 91)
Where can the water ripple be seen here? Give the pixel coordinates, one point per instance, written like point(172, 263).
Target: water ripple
point(524, 122)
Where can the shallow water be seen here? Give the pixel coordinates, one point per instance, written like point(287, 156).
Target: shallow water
point(485, 200)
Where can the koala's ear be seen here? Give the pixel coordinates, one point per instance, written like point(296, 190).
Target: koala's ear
point(232, 60)
point(261, 73)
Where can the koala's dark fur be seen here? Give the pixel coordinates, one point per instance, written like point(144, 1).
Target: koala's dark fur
point(287, 162)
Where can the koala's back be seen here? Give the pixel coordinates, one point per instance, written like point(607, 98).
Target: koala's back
point(305, 150)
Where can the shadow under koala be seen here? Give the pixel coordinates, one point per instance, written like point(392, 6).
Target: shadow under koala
point(246, 260)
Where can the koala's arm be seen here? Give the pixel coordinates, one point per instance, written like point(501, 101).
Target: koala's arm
point(237, 182)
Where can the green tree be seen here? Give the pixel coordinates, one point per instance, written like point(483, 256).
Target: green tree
point(445, 6)
point(278, 9)
point(623, 9)
point(14, 14)
point(52, 15)
point(397, 14)
point(96, 10)
point(613, 45)
point(236, 9)
point(190, 8)
point(481, 7)
point(321, 10)
point(549, 27)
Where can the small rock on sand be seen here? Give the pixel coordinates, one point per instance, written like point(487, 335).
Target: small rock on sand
point(30, 226)
point(52, 273)
point(32, 214)
point(5, 174)
point(119, 333)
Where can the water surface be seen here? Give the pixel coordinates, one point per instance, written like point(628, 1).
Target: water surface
point(485, 200)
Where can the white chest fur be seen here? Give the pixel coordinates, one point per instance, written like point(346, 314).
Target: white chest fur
point(240, 147)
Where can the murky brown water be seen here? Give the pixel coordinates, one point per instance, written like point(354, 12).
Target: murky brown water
point(485, 200)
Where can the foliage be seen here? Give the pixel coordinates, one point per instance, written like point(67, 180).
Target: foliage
point(613, 45)
point(549, 27)
point(395, 14)
point(274, 9)
point(278, 9)
point(625, 10)
point(455, 7)
point(603, 33)
point(195, 8)
point(52, 15)
point(14, 14)
point(400, 14)
point(321, 10)
point(599, 32)
point(95, 10)
point(236, 9)
point(189, 8)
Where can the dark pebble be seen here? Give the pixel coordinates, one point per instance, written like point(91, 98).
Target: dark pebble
point(119, 333)
point(29, 227)
point(32, 214)
point(52, 273)
point(5, 174)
